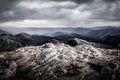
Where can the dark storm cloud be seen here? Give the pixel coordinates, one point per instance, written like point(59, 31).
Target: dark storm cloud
point(110, 0)
point(108, 10)
point(11, 11)
point(77, 1)
point(7, 4)
point(65, 11)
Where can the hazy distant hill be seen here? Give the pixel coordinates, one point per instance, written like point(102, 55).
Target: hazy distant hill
point(4, 32)
point(109, 36)
point(106, 35)
point(104, 31)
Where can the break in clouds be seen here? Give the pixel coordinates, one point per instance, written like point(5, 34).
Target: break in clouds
point(59, 13)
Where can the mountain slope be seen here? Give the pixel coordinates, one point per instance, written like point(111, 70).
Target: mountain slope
point(7, 44)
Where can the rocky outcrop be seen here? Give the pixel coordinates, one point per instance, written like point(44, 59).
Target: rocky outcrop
point(49, 61)
point(111, 71)
point(58, 61)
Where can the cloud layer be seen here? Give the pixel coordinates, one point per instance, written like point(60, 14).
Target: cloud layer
point(59, 13)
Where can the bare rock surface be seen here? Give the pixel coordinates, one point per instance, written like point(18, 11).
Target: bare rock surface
point(58, 62)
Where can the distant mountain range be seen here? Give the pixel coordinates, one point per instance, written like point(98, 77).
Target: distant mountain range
point(109, 36)
point(4, 32)
point(104, 31)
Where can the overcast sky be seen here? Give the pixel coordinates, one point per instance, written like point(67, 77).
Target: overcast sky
point(59, 13)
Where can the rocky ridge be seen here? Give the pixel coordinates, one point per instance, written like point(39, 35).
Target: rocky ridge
point(58, 61)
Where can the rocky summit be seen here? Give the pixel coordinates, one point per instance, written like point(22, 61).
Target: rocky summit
point(58, 61)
